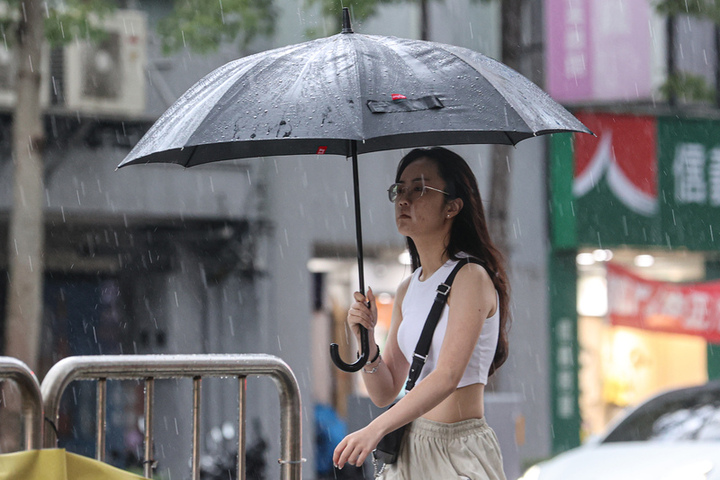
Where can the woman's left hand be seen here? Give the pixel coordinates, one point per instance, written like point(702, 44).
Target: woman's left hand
point(355, 448)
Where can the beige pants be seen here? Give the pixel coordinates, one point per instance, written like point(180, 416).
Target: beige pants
point(440, 451)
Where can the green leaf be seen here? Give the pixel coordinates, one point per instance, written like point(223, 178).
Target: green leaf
point(202, 25)
point(704, 9)
point(688, 87)
point(65, 21)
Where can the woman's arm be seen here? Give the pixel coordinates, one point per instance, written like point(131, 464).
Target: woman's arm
point(391, 368)
point(472, 299)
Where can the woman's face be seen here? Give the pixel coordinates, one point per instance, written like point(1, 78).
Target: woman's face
point(427, 214)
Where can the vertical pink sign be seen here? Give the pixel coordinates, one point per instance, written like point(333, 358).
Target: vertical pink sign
point(598, 50)
point(568, 49)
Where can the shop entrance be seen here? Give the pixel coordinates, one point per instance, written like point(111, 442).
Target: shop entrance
point(620, 366)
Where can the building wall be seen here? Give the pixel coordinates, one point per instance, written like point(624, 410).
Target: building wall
point(526, 371)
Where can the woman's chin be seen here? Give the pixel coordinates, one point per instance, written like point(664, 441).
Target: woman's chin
point(403, 228)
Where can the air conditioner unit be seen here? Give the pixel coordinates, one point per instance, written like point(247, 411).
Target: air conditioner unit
point(109, 76)
point(8, 72)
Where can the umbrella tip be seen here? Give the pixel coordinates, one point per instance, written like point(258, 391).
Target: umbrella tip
point(346, 27)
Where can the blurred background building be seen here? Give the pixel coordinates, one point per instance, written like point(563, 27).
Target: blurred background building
point(633, 223)
point(258, 255)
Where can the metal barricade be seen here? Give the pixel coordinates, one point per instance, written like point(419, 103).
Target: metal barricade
point(31, 401)
point(151, 367)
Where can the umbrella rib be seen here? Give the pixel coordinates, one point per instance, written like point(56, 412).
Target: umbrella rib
point(500, 92)
point(550, 109)
point(314, 53)
point(358, 79)
point(272, 63)
point(249, 65)
point(188, 162)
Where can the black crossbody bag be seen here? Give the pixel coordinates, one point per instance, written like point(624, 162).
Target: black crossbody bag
point(389, 446)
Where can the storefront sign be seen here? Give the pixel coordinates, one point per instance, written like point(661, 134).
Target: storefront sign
point(569, 72)
point(690, 309)
point(689, 176)
point(564, 365)
point(623, 154)
point(642, 181)
point(615, 182)
point(566, 369)
point(598, 49)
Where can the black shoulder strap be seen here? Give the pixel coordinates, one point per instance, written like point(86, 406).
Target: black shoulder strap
point(423, 345)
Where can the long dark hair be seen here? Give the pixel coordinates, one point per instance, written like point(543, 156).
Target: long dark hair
point(469, 233)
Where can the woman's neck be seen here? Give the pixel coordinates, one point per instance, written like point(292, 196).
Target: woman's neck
point(433, 255)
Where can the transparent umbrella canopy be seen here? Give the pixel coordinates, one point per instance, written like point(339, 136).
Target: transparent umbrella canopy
point(346, 95)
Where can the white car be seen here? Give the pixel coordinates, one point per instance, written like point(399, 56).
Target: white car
point(673, 436)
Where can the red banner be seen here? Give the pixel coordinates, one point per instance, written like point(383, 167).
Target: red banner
point(685, 308)
point(624, 152)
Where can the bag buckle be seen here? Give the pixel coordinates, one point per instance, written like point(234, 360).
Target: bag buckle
point(443, 289)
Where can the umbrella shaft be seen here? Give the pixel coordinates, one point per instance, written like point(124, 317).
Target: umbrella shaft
point(358, 219)
point(364, 336)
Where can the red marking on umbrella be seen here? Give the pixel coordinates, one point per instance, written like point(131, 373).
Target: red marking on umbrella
point(398, 96)
point(321, 150)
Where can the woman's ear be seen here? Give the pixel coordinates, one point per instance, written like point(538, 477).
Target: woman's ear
point(454, 207)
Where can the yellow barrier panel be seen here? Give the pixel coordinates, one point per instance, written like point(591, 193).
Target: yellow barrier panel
point(57, 464)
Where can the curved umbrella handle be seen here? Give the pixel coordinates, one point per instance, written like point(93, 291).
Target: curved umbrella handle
point(364, 354)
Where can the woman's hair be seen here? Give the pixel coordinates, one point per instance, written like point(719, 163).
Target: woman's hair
point(469, 232)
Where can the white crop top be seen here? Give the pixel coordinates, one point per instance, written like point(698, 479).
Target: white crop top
point(415, 308)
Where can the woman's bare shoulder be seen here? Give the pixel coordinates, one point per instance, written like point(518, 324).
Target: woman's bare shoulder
point(477, 275)
point(474, 282)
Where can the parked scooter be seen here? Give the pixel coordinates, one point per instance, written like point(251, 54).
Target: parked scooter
point(220, 463)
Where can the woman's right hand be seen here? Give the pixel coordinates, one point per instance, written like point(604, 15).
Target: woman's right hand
point(362, 315)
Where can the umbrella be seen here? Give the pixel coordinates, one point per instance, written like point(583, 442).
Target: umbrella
point(345, 95)
point(57, 464)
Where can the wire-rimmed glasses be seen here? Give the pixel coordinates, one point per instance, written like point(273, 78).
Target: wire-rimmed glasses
point(413, 191)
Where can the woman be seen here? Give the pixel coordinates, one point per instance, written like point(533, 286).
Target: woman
point(439, 210)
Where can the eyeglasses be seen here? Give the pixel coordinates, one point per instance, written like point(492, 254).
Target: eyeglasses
point(415, 190)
